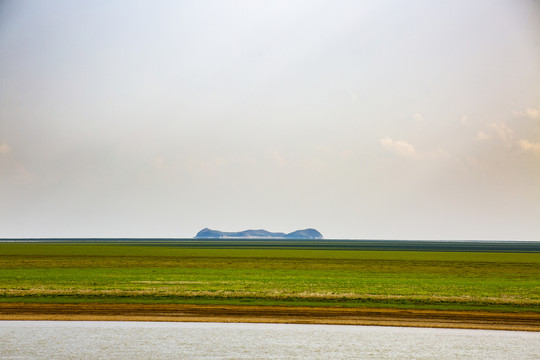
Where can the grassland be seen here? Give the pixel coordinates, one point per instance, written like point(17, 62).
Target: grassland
point(167, 274)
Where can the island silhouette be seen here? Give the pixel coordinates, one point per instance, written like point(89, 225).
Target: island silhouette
point(258, 234)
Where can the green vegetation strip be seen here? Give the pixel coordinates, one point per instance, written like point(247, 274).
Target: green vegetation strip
point(131, 273)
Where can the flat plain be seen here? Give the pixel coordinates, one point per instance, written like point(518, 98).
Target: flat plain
point(309, 274)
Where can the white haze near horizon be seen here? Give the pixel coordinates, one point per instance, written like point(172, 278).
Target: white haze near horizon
point(362, 119)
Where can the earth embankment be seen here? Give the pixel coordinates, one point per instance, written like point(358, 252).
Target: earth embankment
point(272, 314)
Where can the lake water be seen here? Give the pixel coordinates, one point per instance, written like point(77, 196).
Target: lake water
point(168, 340)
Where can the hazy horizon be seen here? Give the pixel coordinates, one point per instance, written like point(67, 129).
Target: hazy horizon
point(363, 120)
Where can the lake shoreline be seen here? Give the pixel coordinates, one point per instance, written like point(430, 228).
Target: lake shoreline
point(486, 320)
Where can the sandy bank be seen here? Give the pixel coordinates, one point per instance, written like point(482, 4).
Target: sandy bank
point(272, 314)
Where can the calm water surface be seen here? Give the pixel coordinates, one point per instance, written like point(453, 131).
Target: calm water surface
point(166, 340)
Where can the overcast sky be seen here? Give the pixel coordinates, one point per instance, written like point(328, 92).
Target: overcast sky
point(362, 119)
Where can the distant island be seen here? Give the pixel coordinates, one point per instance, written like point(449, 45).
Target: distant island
point(258, 234)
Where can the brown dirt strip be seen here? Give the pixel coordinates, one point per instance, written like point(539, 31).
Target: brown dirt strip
point(272, 314)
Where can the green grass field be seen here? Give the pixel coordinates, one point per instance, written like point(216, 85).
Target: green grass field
point(161, 273)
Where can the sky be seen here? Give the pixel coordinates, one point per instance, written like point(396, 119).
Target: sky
point(362, 119)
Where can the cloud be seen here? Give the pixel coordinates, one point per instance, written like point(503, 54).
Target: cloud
point(5, 149)
point(482, 136)
point(504, 133)
point(401, 148)
point(418, 117)
point(277, 157)
point(529, 146)
point(507, 137)
point(438, 154)
point(533, 113)
point(160, 163)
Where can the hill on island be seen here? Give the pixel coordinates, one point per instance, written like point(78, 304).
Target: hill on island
point(258, 234)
